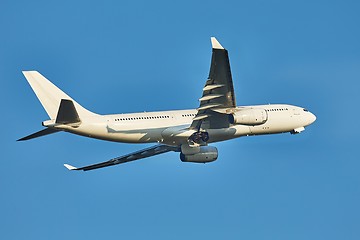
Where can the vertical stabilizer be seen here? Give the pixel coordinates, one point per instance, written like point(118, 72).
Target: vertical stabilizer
point(50, 96)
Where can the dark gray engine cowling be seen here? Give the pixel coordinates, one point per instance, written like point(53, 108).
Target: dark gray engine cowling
point(206, 154)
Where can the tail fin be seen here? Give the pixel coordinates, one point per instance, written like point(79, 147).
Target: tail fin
point(50, 96)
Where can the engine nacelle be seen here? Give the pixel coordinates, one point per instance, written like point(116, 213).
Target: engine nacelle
point(252, 117)
point(206, 154)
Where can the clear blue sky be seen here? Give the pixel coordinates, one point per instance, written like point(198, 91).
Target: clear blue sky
point(128, 56)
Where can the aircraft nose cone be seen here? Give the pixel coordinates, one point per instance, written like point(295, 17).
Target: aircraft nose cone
point(312, 118)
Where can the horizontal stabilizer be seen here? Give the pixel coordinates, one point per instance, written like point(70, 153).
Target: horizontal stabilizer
point(67, 113)
point(41, 133)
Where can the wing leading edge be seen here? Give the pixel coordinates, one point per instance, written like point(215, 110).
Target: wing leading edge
point(218, 92)
point(144, 153)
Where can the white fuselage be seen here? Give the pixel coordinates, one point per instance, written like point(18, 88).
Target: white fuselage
point(172, 127)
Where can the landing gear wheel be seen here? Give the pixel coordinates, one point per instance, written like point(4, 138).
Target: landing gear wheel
point(205, 136)
point(199, 137)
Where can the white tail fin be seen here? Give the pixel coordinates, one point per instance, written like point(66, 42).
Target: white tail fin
point(50, 96)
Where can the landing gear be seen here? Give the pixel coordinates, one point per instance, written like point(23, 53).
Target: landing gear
point(205, 136)
point(199, 137)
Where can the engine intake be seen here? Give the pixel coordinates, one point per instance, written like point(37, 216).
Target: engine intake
point(252, 117)
point(206, 154)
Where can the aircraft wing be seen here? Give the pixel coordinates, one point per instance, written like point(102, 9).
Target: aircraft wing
point(218, 92)
point(144, 153)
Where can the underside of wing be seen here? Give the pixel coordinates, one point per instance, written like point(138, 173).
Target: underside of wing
point(144, 153)
point(218, 92)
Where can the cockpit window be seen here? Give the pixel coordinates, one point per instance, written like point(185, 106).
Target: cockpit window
point(305, 110)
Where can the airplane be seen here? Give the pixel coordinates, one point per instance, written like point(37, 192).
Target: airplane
point(188, 132)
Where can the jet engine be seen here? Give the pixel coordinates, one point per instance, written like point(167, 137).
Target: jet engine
point(252, 117)
point(206, 154)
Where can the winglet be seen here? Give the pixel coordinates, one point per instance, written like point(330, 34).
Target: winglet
point(215, 43)
point(70, 167)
